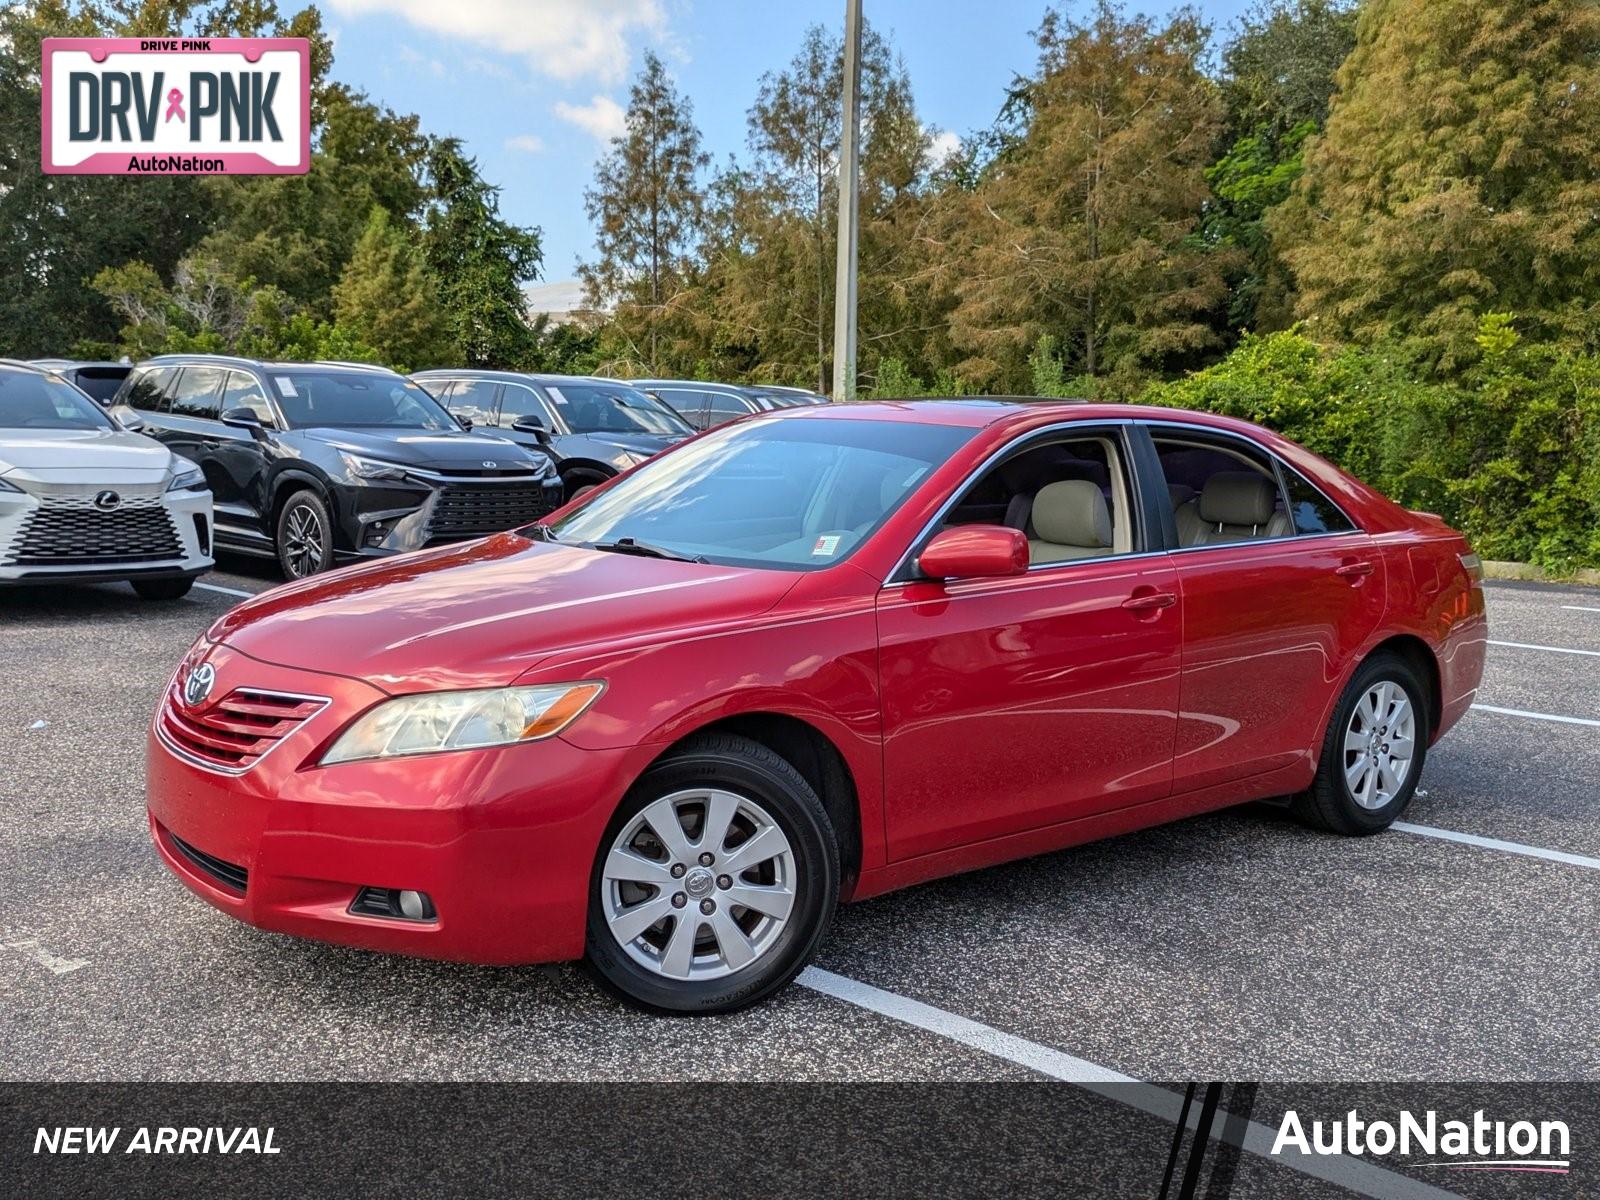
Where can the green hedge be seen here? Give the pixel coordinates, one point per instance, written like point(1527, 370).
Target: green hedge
point(1509, 454)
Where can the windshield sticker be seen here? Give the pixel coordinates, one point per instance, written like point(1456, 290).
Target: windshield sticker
point(827, 546)
point(285, 385)
point(555, 394)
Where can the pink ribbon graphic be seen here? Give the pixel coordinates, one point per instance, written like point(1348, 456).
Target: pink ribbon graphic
point(175, 106)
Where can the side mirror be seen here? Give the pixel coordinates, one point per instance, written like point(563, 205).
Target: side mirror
point(531, 425)
point(464, 422)
point(245, 419)
point(975, 552)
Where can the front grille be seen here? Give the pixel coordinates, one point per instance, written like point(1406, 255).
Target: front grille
point(74, 533)
point(465, 511)
point(230, 875)
point(233, 734)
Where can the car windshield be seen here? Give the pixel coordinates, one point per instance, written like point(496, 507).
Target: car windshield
point(355, 400)
point(32, 401)
point(614, 408)
point(793, 494)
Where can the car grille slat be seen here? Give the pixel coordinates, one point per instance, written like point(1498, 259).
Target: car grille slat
point(466, 511)
point(233, 734)
point(230, 875)
point(72, 533)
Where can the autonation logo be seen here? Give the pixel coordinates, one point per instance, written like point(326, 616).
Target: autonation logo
point(1476, 1145)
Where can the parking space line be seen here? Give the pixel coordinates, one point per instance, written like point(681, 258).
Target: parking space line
point(1535, 716)
point(1488, 843)
point(226, 591)
point(1342, 1170)
point(56, 964)
point(1580, 608)
point(1551, 649)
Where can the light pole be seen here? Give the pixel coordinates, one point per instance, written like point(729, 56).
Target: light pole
point(844, 292)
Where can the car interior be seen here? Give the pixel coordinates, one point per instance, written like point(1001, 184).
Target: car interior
point(1221, 495)
point(1069, 497)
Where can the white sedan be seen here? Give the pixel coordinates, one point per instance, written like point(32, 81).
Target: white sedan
point(83, 499)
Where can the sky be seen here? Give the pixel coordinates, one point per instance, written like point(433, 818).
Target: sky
point(536, 87)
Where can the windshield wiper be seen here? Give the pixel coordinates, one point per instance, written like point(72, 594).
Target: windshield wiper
point(628, 545)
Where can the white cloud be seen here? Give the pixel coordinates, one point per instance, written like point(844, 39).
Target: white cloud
point(567, 39)
point(603, 118)
point(942, 145)
point(528, 143)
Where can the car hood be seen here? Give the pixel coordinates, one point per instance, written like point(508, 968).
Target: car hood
point(82, 455)
point(446, 450)
point(481, 613)
point(647, 444)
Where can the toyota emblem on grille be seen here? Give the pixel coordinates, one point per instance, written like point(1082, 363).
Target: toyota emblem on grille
point(106, 501)
point(198, 686)
point(491, 465)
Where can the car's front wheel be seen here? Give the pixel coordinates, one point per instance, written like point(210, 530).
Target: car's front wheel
point(714, 882)
point(305, 536)
point(1373, 751)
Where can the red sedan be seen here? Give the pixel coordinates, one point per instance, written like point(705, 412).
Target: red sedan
point(804, 658)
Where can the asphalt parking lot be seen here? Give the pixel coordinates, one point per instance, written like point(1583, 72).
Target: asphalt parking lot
point(1233, 946)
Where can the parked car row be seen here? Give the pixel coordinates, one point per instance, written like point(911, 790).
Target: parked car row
point(312, 464)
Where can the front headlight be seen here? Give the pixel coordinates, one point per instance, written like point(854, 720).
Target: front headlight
point(371, 468)
point(187, 478)
point(434, 721)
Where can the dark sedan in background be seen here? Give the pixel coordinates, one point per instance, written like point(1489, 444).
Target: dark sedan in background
point(593, 428)
point(707, 405)
point(311, 463)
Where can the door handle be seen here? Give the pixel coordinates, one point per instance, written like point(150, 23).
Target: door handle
point(1354, 570)
point(1149, 601)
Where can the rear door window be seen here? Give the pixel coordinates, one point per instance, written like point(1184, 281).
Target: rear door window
point(725, 406)
point(1312, 511)
point(148, 388)
point(198, 392)
point(1222, 489)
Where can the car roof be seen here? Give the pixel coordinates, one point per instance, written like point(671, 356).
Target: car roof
point(233, 360)
point(16, 364)
point(978, 412)
point(536, 376)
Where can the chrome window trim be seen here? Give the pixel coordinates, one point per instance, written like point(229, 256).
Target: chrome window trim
point(1277, 469)
point(1080, 424)
point(558, 423)
point(177, 751)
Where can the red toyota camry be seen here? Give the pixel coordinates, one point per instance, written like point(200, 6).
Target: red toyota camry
point(804, 658)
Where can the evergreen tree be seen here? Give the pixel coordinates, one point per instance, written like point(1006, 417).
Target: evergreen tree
point(480, 261)
point(646, 204)
point(1085, 228)
point(1456, 177)
point(386, 299)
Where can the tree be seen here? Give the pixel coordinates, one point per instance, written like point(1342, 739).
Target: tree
point(480, 261)
point(646, 205)
point(1456, 177)
point(1085, 228)
point(386, 299)
point(1278, 80)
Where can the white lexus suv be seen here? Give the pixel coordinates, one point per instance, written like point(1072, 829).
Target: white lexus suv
point(82, 499)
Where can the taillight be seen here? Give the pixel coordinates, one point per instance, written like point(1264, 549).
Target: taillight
point(1473, 566)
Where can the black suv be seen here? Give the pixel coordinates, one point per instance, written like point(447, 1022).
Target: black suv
point(314, 462)
point(594, 428)
point(707, 405)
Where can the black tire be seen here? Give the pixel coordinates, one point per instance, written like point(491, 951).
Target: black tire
point(162, 589)
point(751, 770)
point(304, 536)
point(576, 483)
point(1330, 803)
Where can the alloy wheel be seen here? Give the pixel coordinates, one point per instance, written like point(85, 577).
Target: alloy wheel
point(303, 541)
point(1379, 744)
point(699, 884)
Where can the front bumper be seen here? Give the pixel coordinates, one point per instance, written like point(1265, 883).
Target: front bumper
point(92, 560)
point(376, 520)
point(502, 840)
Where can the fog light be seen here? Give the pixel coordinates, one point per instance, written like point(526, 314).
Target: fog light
point(395, 903)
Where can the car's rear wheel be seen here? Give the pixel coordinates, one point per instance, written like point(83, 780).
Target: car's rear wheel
point(305, 536)
point(162, 589)
point(715, 880)
point(1373, 752)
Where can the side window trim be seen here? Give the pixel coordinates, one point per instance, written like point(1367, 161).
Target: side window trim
point(1155, 428)
point(546, 407)
point(1280, 466)
point(1121, 432)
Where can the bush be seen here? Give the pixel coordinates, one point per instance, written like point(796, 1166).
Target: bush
point(1509, 453)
